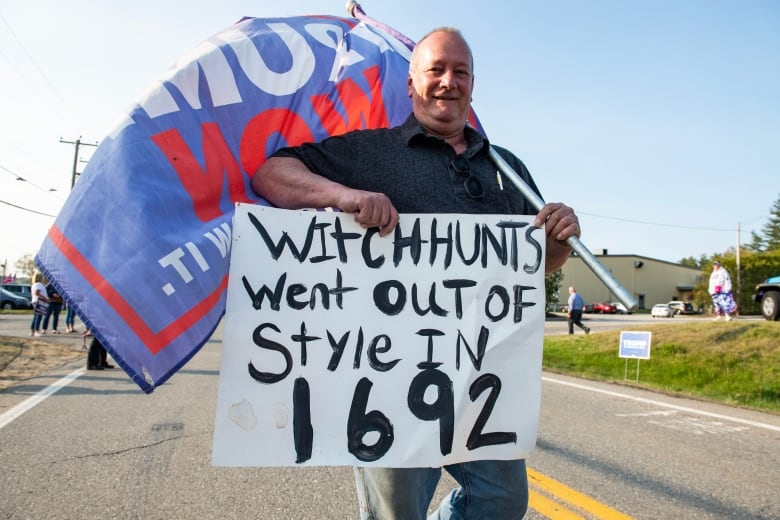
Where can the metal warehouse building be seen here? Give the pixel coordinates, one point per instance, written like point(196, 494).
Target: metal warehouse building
point(651, 281)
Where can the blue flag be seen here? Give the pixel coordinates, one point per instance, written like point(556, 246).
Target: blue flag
point(141, 248)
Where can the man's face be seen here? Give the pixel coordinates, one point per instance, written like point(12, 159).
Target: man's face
point(441, 82)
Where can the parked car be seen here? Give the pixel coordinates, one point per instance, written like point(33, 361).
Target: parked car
point(587, 308)
point(9, 300)
point(767, 294)
point(19, 289)
point(621, 309)
point(661, 310)
point(681, 307)
point(604, 308)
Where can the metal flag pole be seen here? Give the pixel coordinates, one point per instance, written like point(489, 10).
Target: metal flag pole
point(622, 294)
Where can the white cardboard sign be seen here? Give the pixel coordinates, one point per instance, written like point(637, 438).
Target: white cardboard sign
point(419, 349)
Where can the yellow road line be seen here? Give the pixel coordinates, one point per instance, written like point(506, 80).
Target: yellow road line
point(571, 497)
point(550, 508)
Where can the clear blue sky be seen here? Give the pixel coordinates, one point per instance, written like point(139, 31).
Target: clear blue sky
point(658, 121)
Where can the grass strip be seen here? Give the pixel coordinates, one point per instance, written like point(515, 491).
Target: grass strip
point(735, 363)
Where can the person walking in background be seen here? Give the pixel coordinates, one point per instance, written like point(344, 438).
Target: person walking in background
point(40, 302)
point(576, 305)
point(720, 290)
point(53, 312)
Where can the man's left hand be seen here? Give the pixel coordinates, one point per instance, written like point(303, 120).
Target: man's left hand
point(560, 219)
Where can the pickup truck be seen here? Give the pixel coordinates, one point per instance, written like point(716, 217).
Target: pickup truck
point(768, 295)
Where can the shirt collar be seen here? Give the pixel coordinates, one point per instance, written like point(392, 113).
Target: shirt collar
point(413, 132)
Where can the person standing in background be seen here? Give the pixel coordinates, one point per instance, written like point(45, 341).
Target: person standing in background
point(576, 306)
point(70, 318)
point(38, 291)
point(720, 290)
point(53, 312)
point(97, 357)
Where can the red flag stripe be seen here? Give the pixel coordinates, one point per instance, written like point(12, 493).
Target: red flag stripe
point(154, 342)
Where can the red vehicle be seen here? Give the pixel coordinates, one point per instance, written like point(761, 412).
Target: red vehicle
point(604, 308)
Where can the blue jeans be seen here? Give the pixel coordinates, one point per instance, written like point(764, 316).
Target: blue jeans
point(70, 317)
point(54, 313)
point(489, 489)
point(36, 322)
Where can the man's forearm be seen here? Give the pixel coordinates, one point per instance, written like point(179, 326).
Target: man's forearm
point(557, 254)
point(287, 183)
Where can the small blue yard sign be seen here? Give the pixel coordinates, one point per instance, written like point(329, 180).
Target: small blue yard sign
point(635, 345)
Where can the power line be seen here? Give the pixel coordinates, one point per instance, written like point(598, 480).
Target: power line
point(32, 60)
point(27, 209)
point(678, 226)
point(22, 179)
point(45, 91)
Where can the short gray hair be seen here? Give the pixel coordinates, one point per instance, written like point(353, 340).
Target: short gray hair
point(450, 30)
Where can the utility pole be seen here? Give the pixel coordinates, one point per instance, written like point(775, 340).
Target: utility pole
point(78, 143)
point(739, 274)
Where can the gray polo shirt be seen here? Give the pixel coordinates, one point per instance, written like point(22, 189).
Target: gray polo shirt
point(414, 169)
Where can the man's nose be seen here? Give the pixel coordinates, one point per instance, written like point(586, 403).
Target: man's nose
point(447, 80)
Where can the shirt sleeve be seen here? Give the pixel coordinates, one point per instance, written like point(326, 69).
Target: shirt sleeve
point(334, 158)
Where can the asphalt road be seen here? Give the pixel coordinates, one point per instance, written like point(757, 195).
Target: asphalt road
point(100, 448)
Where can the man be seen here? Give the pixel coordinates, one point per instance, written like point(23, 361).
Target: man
point(720, 290)
point(576, 305)
point(433, 163)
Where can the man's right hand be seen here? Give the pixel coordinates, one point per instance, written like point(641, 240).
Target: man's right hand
point(370, 209)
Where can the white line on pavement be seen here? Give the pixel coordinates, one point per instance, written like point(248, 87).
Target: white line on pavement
point(30, 402)
point(667, 405)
